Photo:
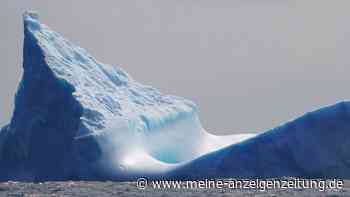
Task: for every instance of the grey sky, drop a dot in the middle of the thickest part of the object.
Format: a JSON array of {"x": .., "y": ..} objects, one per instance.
[{"x": 249, "y": 64}]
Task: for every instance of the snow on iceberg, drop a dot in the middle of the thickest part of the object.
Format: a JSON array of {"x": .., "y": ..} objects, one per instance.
[{"x": 78, "y": 119}]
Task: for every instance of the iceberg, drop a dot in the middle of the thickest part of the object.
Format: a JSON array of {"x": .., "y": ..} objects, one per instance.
[{"x": 76, "y": 118}]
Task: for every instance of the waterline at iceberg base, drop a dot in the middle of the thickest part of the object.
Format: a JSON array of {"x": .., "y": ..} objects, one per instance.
[{"x": 78, "y": 119}]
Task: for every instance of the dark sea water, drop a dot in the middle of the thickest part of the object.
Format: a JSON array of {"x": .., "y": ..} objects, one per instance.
[{"x": 104, "y": 189}]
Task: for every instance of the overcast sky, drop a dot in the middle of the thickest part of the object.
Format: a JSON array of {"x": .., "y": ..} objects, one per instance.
[{"x": 250, "y": 65}]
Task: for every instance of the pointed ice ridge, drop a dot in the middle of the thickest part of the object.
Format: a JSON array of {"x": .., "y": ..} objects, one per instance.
[{"x": 105, "y": 92}]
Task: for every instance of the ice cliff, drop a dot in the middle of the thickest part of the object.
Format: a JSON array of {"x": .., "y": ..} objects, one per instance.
[{"x": 78, "y": 119}]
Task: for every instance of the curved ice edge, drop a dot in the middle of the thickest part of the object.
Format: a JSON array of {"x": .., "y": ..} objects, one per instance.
[
  {"x": 135, "y": 163},
  {"x": 315, "y": 145},
  {"x": 157, "y": 153}
]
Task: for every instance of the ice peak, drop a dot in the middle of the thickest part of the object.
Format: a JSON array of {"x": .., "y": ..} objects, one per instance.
[
  {"x": 30, "y": 20},
  {"x": 28, "y": 14}
]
